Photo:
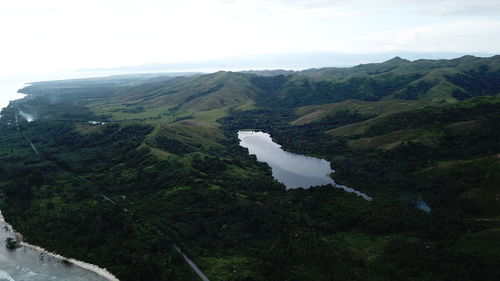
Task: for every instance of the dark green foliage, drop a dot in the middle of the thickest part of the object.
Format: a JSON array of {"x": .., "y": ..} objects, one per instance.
[
  {"x": 10, "y": 243},
  {"x": 482, "y": 81},
  {"x": 303, "y": 92},
  {"x": 412, "y": 92},
  {"x": 103, "y": 197},
  {"x": 309, "y": 138},
  {"x": 435, "y": 116},
  {"x": 173, "y": 145},
  {"x": 270, "y": 84},
  {"x": 461, "y": 95},
  {"x": 209, "y": 164},
  {"x": 204, "y": 93}
]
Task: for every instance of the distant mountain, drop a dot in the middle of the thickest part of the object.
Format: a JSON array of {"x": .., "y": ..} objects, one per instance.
[
  {"x": 274, "y": 72},
  {"x": 125, "y": 171},
  {"x": 294, "y": 61},
  {"x": 206, "y": 98}
]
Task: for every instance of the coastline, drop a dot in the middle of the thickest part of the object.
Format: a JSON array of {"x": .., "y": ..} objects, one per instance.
[
  {"x": 87, "y": 266},
  {"x": 103, "y": 272}
]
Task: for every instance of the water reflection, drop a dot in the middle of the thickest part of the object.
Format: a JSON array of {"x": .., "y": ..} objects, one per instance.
[{"x": 293, "y": 170}]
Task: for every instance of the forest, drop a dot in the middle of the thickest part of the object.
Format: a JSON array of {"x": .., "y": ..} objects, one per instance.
[{"x": 167, "y": 155}]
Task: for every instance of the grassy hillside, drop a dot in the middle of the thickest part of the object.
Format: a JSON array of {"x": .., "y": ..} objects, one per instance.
[
  {"x": 439, "y": 81},
  {"x": 202, "y": 98},
  {"x": 165, "y": 151},
  {"x": 395, "y": 85}
]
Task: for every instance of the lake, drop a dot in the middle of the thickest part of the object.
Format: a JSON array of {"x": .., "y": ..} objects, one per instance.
[{"x": 291, "y": 169}]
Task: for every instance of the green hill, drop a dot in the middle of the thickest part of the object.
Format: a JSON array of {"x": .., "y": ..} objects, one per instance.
[
  {"x": 203, "y": 98},
  {"x": 164, "y": 149}
]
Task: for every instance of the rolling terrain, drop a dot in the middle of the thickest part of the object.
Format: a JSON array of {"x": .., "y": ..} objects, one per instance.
[{"x": 421, "y": 138}]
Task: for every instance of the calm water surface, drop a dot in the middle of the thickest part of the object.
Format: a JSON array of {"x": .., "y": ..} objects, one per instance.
[
  {"x": 8, "y": 90},
  {"x": 293, "y": 170},
  {"x": 24, "y": 264}
]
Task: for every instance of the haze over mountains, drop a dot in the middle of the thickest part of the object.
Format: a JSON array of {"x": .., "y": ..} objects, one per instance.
[
  {"x": 121, "y": 171},
  {"x": 137, "y": 163},
  {"x": 292, "y": 61}
]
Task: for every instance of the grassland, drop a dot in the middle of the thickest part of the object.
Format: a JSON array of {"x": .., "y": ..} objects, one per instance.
[{"x": 168, "y": 154}]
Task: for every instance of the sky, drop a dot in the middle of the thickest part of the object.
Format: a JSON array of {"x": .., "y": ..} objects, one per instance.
[{"x": 53, "y": 35}]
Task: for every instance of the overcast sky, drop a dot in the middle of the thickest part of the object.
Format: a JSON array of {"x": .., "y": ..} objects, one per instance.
[{"x": 61, "y": 34}]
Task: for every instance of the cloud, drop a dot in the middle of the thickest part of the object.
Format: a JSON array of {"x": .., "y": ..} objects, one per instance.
[
  {"x": 63, "y": 34},
  {"x": 457, "y": 7},
  {"x": 437, "y": 7},
  {"x": 312, "y": 3},
  {"x": 471, "y": 35}
]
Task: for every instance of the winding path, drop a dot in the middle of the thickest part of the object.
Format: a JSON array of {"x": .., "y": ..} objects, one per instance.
[{"x": 193, "y": 266}]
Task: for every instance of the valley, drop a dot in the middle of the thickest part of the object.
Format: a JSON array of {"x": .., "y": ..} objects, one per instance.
[{"x": 421, "y": 138}]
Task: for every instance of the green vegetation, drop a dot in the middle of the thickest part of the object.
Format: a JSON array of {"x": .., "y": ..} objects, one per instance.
[
  {"x": 10, "y": 243},
  {"x": 166, "y": 168}
]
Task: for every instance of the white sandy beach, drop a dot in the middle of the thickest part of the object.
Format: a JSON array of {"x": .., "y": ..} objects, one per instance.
[{"x": 87, "y": 266}]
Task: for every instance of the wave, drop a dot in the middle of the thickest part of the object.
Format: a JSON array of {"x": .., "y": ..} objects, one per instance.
[
  {"x": 4, "y": 276},
  {"x": 91, "y": 267}
]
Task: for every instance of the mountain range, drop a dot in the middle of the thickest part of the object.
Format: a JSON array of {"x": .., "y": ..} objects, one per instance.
[{"x": 420, "y": 137}]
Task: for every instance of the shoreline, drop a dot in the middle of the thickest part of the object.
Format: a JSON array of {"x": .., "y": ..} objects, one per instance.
[{"x": 103, "y": 272}]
